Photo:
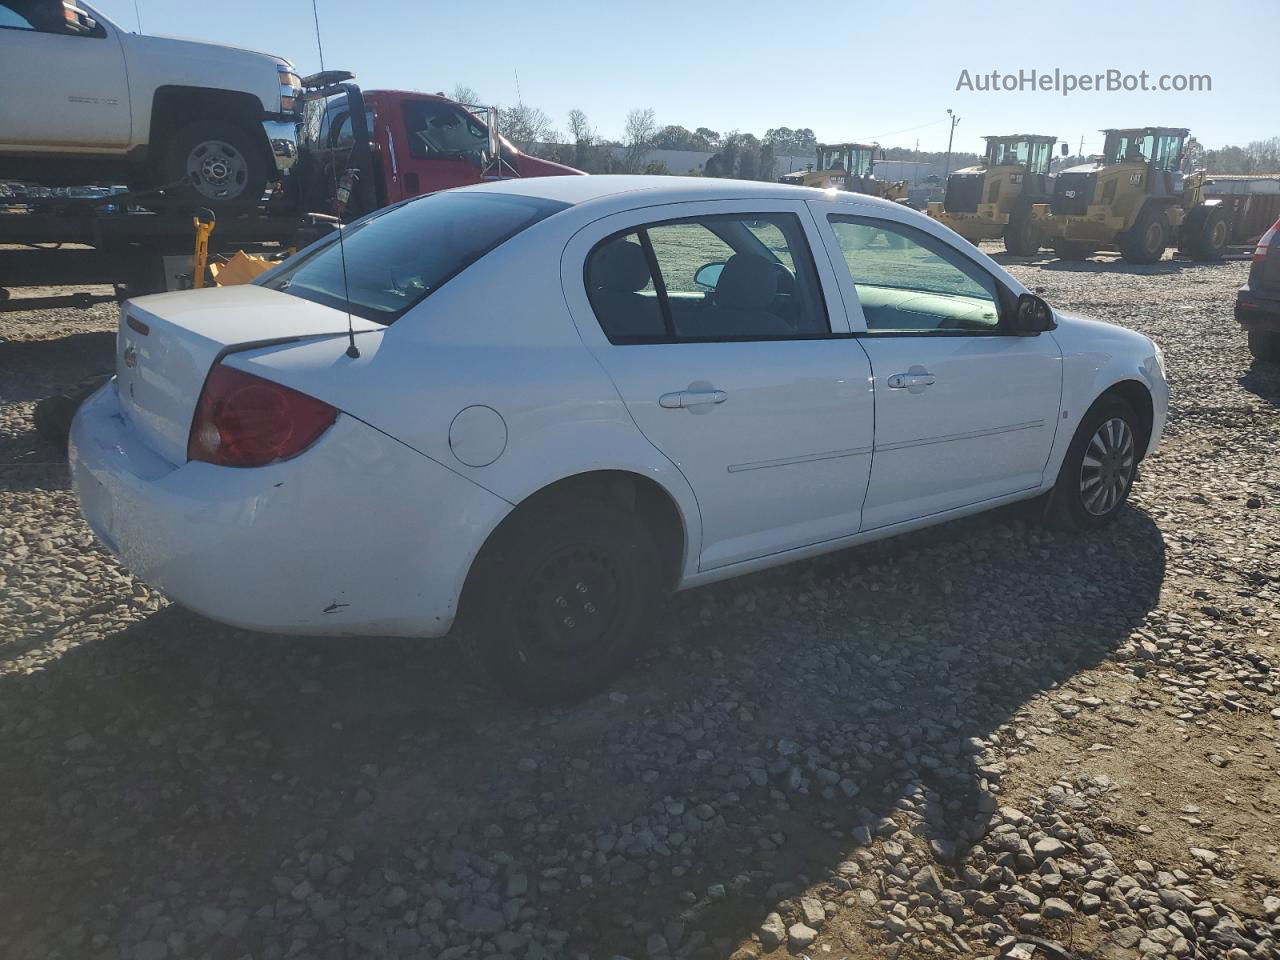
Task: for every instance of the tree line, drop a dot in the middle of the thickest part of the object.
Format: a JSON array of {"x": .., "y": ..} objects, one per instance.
[{"x": 748, "y": 157}]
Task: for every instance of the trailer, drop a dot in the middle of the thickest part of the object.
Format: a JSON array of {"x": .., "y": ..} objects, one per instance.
[
  {"x": 1252, "y": 202},
  {"x": 140, "y": 243}
]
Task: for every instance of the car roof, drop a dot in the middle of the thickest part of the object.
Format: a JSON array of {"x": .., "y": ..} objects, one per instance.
[{"x": 655, "y": 190}]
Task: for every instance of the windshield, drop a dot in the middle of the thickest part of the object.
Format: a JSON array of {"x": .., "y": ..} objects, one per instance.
[
  {"x": 1129, "y": 147},
  {"x": 399, "y": 256},
  {"x": 861, "y": 161}
]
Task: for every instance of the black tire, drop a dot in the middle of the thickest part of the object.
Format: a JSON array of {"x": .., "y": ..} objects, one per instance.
[
  {"x": 1019, "y": 233},
  {"x": 1265, "y": 345},
  {"x": 1074, "y": 503},
  {"x": 218, "y": 164},
  {"x": 1070, "y": 250},
  {"x": 528, "y": 611},
  {"x": 1146, "y": 240},
  {"x": 1205, "y": 232}
]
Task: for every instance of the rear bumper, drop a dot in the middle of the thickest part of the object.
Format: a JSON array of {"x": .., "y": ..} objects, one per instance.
[
  {"x": 1256, "y": 311},
  {"x": 358, "y": 535}
]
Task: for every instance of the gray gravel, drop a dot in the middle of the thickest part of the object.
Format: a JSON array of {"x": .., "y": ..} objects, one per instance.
[{"x": 987, "y": 739}]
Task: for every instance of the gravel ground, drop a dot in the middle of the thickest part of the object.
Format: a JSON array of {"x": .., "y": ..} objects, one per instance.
[{"x": 985, "y": 739}]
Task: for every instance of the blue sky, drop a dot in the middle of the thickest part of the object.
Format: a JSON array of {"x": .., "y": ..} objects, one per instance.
[{"x": 848, "y": 70}]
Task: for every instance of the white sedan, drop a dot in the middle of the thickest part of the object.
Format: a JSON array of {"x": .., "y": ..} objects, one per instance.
[{"x": 535, "y": 407}]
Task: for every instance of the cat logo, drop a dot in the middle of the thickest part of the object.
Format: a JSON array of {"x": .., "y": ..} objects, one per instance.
[{"x": 1070, "y": 194}]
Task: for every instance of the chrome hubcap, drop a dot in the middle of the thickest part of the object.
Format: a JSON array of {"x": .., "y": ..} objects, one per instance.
[
  {"x": 217, "y": 169},
  {"x": 1107, "y": 469}
]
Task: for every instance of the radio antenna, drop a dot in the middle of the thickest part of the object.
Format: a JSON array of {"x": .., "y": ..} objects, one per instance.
[{"x": 352, "y": 351}]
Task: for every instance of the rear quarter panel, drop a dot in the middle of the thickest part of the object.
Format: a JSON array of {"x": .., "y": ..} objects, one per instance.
[{"x": 498, "y": 335}]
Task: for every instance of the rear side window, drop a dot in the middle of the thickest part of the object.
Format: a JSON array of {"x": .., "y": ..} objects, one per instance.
[
  {"x": 398, "y": 256},
  {"x": 722, "y": 277}
]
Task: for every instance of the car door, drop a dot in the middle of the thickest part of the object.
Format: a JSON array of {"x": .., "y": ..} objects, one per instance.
[
  {"x": 443, "y": 145},
  {"x": 64, "y": 77},
  {"x": 965, "y": 411},
  {"x": 730, "y": 349}
]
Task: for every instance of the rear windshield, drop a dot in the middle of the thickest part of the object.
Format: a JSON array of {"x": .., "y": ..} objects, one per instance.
[{"x": 398, "y": 256}]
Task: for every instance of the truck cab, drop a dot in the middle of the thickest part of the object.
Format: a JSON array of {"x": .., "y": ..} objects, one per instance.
[{"x": 420, "y": 143}]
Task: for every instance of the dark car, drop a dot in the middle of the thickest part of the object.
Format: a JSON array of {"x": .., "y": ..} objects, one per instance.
[{"x": 1258, "y": 302}]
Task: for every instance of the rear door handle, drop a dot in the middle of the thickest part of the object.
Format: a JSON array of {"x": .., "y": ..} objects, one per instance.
[
  {"x": 908, "y": 381},
  {"x": 691, "y": 398}
]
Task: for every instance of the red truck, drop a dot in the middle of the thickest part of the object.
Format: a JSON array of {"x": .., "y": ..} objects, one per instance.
[
  {"x": 356, "y": 152},
  {"x": 417, "y": 143}
]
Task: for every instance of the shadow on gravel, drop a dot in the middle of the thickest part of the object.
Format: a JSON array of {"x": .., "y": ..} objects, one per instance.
[
  {"x": 1262, "y": 379},
  {"x": 66, "y": 359},
  {"x": 361, "y": 798}
]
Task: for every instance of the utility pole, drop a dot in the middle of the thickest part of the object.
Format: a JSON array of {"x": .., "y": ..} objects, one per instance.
[{"x": 950, "y": 138}]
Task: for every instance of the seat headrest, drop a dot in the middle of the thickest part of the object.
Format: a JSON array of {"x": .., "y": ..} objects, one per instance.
[
  {"x": 747, "y": 282},
  {"x": 621, "y": 267}
]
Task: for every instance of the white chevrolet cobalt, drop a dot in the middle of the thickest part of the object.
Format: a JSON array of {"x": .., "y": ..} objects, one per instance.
[{"x": 561, "y": 398}]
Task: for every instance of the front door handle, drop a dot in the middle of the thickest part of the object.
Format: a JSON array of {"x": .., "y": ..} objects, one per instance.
[
  {"x": 691, "y": 398},
  {"x": 911, "y": 381}
]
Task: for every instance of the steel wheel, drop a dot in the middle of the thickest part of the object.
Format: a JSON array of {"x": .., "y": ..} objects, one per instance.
[
  {"x": 1107, "y": 468},
  {"x": 573, "y": 603},
  {"x": 217, "y": 169}
]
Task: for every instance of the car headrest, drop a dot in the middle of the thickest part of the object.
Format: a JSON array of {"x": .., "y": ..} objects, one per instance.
[
  {"x": 621, "y": 267},
  {"x": 747, "y": 282}
]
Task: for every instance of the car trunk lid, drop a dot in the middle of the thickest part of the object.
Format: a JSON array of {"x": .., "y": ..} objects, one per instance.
[{"x": 167, "y": 343}]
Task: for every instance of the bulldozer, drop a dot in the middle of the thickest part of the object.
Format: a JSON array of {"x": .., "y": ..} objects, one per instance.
[
  {"x": 994, "y": 199},
  {"x": 1135, "y": 198},
  {"x": 848, "y": 166}
]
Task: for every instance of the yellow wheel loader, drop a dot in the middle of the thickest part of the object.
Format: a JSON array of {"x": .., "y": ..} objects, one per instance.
[
  {"x": 994, "y": 199},
  {"x": 848, "y": 166},
  {"x": 1136, "y": 199}
]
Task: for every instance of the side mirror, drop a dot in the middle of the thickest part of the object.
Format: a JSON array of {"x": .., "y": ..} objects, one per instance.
[
  {"x": 1066, "y": 148},
  {"x": 1032, "y": 316},
  {"x": 495, "y": 140},
  {"x": 708, "y": 275}
]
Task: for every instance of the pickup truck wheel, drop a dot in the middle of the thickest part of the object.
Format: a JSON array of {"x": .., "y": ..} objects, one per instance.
[
  {"x": 1264, "y": 344},
  {"x": 561, "y": 601},
  {"x": 218, "y": 164},
  {"x": 1099, "y": 468}
]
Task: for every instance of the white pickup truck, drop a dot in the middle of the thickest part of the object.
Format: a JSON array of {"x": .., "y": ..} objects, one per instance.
[{"x": 83, "y": 101}]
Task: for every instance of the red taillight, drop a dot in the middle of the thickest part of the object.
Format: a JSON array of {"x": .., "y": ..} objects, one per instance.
[
  {"x": 1264, "y": 244},
  {"x": 245, "y": 421}
]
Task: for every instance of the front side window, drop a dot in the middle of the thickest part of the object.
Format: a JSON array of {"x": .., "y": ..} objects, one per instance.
[
  {"x": 910, "y": 282},
  {"x": 436, "y": 128},
  {"x": 398, "y": 256},
  {"x": 724, "y": 277}
]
